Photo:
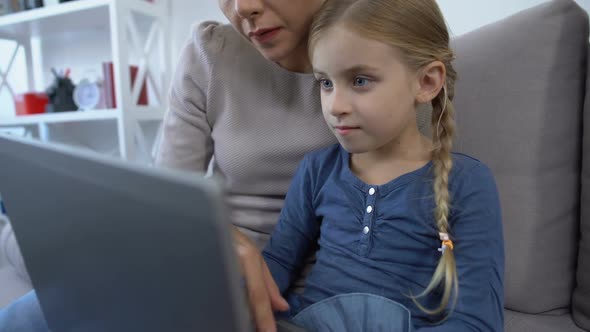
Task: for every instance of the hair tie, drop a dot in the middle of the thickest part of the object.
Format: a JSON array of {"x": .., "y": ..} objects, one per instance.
[{"x": 446, "y": 242}]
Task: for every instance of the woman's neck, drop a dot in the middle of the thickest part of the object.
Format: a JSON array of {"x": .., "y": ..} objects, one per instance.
[
  {"x": 298, "y": 61},
  {"x": 385, "y": 164}
]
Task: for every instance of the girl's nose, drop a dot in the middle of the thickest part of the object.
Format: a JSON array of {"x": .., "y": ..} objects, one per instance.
[{"x": 338, "y": 104}]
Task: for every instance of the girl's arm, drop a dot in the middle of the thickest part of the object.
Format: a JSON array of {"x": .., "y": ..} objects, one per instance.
[
  {"x": 296, "y": 231},
  {"x": 476, "y": 229}
]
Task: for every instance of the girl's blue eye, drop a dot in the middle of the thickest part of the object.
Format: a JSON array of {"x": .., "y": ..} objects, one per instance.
[
  {"x": 360, "y": 81},
  {"x": 326, "y": 84}
]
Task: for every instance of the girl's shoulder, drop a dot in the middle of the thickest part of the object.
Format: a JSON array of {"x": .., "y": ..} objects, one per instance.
[
  {"x": 325, "y": 157},
  {"x": 463, "y": 162},
  {"x": 323, "y": 163},
  {"x": 470, "y": 171}
]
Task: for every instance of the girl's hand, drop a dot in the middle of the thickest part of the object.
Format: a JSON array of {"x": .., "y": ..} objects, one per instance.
[{"x": 263, "y": 294}]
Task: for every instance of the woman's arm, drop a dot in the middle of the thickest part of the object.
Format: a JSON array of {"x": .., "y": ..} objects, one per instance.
[
  {"x": 263, "y": 294},
  {"x": 476, "y": 229},
  {"x": 186, "y": 142}
]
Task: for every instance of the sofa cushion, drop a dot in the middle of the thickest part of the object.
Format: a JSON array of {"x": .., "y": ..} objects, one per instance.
[
  {"x": 519, "y": 109},
  {"x": 519, "y": 322},
  {"x": 581, "y": 300}
]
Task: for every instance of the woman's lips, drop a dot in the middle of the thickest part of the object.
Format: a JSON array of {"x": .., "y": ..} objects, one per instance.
[{"x": 265, "y": 35}]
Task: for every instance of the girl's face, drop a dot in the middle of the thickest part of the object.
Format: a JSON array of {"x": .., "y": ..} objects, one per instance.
[
  {"x": 277, "y": 28},
  {"x": 368, "y": 93}
]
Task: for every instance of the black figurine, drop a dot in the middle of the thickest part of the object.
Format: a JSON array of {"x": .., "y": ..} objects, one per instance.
[{"x": 61, "y": 94}]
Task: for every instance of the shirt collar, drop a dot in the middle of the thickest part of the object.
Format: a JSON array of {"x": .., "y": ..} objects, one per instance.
[{"x": 355, "y": 181}]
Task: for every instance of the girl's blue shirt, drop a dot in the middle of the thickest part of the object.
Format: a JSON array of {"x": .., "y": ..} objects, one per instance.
[{"x": 383, "y": 239}]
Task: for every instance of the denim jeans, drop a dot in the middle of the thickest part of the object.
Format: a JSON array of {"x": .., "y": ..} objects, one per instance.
[
  {"x": 24, "y": 315},
  {"x": 357, "y": 312},
  {"x": 348, "y": 312}
]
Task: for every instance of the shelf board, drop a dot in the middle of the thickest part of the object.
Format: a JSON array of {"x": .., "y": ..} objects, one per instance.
[
  {"x": 56, "y": 19},
  {"x": 77, "y": 116}
]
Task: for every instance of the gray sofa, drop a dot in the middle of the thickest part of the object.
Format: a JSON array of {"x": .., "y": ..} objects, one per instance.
[{"x": 520, "y": 109}]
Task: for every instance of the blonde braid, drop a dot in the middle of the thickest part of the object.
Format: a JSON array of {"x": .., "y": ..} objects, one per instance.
[{"x": 443, "y": 124}]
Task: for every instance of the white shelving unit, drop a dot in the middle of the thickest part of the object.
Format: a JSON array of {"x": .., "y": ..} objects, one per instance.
[{"x": 138, "y": 30}]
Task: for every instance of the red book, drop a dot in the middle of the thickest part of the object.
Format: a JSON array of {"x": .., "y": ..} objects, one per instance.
[{"x": 109, "y": 85}]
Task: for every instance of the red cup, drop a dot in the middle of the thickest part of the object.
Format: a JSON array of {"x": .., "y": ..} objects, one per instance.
[{"x": 30, "y": 103}]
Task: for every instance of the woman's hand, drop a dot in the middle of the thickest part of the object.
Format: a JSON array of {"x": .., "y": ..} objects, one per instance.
[{"x": 263, "y": 294}]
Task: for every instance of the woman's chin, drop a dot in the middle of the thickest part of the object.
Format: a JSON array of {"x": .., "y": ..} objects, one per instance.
[
  {"x": 282, "y": 54},
  {"x": 275, "y": 53}
]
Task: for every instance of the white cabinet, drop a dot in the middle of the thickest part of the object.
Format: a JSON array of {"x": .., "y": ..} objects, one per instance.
[{"x": 136, "y": 33}]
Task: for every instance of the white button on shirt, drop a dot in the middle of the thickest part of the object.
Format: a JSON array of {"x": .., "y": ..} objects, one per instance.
[
  {"x": 369, "y": 209},
  {"x": 372, "y": 191},
  {"x": 366, "y": 230}
]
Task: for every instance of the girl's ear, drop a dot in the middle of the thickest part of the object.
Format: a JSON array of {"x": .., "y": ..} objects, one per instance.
[{"x": 431, "y": 80}]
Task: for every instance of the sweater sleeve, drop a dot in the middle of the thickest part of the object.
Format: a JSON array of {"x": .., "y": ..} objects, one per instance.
[
  {"x": 476, "y": 229},
  {"x": 186, "y": 142},
  {"x": 296, "y": 232}
]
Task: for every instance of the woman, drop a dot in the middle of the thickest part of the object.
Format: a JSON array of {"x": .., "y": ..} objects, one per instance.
[{"x": 245, "y": 94}]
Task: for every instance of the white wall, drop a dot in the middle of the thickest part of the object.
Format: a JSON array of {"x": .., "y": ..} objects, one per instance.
[{"x": 185, "y": 13}]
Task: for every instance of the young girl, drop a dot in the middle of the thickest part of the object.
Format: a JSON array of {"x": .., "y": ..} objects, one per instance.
[{"x": 408, "y": 234}]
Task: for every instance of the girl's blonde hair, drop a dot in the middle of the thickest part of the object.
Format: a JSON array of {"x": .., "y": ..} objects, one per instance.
[{"x": 416, "y": 28}]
